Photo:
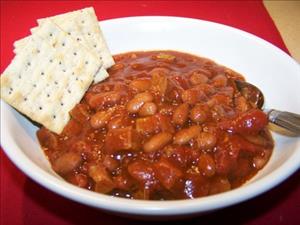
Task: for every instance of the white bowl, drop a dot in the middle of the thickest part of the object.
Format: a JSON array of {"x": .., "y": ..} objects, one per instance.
[{"x": 263, "y": 64}]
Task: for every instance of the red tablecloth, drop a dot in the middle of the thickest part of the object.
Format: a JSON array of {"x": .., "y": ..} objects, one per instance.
[{"x": 25, "y": 202}]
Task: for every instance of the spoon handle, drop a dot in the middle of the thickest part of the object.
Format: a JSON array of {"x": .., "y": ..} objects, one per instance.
[{"x": 287, "y": 120}]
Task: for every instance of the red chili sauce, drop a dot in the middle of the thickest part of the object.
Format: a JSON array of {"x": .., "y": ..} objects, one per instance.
[{"x": 165, "y": 125}]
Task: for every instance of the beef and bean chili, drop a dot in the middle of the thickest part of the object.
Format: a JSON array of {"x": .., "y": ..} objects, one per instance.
[{"x": 164, "y": 125}]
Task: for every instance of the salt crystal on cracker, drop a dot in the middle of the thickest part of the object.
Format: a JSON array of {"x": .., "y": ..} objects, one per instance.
[{"x": 49, "y": 77}]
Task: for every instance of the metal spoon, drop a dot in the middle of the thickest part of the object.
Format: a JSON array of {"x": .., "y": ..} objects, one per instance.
[{"x": 288, "y": 121}]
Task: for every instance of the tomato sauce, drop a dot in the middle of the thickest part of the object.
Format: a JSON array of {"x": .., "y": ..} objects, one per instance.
[{"x": 165, "y": 125}]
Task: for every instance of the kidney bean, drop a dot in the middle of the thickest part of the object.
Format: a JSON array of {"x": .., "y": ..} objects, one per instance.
[
  {"x": 198, "y": 115},
  {"x": 206, "y": 140},
  {"x": 250, "y": 122},
  {"x": 180, "y": 114},
  {"x": 67, "y": 162},
  {"x": 138, "y": 101},
  {"x": 157, "y": 142},
  {"x": 206, "y": 165},
  {"x": 185, "y": 135},
  {"x": 148, "y": 109}
]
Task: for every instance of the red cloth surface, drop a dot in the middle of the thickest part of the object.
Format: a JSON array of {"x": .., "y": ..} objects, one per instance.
[{"x": 25, "y": 202}]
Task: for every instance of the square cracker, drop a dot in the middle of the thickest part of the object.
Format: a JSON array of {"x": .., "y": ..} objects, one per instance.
[
  {"x": 49, "y": 77},
  {"x": 84, "y": 27}
]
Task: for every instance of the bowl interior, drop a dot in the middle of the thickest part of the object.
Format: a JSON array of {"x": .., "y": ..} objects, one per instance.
[{"x": 261, "y": 63}]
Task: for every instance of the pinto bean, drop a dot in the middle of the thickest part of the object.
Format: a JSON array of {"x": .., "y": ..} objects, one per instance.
[
  {"x": 198, "y": 115},
  {"x": 138, "y": 101},
  {"x": 157, "y": 142},
  {"x": 206, "y": 140},
  {"x": 100, "y": 119},
  {"x": 148, "y": 109},
  {"x": 185, "y": 135},
  {"x": 67, "y": 162},
  {"x": 180, "y": 114}
]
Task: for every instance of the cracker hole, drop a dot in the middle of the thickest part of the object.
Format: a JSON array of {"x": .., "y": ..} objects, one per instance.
[
  {"x": 82, "y": 21},
  {"x": 51, "y": 60},
  {"x": 64, "y": 70},
  {"x": 63, "y": 44},
  {"x": 69, "y": 91},
  {"x": 19, "y": 76},
  {"x": 55, "y": 82},
  {"x": 86, "y": 62},
  {"x": 95, "y": 46},
  {"x": 38, "y": 51},
  {"x": 54, "y": 116},
  {"x": 74, "y": 53},
  {"x": 42, "y": 73},
  {"x": 69, "y": 33},
  {"x": 28, "y": 63},
  {"x": 25, "y": 99},
  {"x": 73, "y": 73},
  {"x": 89, "y": 33},
  {"x": 61, "y": 103},
  {"x": 48, "y": 96},
  {"x": 34, "y": 85},
  {"x": 40, "y": 108},
  {"x": 9, "y": 92},
  {"x": 76, "y": 78},
  {"x": 59, "y": 62},
  {"x": 78, "y": 39},
  {"x": 50, "y": 34}
]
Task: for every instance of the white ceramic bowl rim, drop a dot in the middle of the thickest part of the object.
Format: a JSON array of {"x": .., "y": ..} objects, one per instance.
[{"x": 141, "y": 207}]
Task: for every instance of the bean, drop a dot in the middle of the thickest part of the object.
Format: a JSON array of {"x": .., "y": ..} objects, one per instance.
[
  {"x": 148, "y": 109},
  {"x": 180, "y": 114},
  {"x": 185, "y": 135},
  {"x": 67, "y": 162},
  {"x": 157, "y": 142},
  {"x": 219, "y": 80},
  {"x": 206, "y": 165},
  {"x": 198, "y": 115},
  {"x": 100, "y": 119},
  {"x": 198, "y": 78},
  {"x": 206, "y": 140},
  {"x": 138, "y": 101},
  {"x": 140, "y": 85}
]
